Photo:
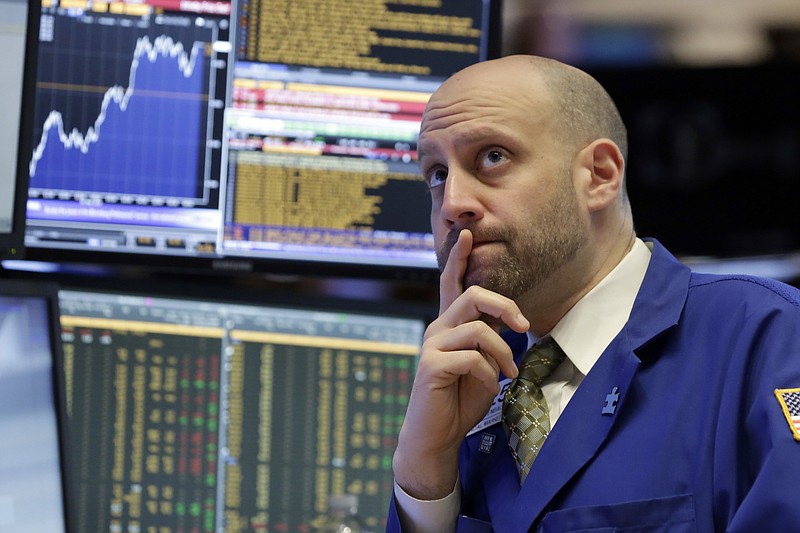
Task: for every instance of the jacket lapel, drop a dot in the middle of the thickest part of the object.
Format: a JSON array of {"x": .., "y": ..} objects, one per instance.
[{"x": 575, "y": 439}]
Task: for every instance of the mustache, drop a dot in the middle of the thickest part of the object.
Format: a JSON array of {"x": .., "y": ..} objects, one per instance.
[{"x": 478, "y": 235}]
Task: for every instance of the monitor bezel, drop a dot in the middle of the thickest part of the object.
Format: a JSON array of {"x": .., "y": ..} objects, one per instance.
[
  {"x": 317, "y": 294},
  {"x": 12, "y": 244}
]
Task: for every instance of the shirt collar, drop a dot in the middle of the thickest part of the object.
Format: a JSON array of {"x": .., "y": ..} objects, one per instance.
[{"x": 589, "y": 327}]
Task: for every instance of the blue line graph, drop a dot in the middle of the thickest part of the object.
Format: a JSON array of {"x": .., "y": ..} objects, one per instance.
[{"x": 147, "y": 139}]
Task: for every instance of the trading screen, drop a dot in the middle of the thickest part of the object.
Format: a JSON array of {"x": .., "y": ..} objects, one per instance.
[
  {"x": 253, "y": 130},
  {"x": 128, "y": 128},
  {"x": 187, "y": 416}
]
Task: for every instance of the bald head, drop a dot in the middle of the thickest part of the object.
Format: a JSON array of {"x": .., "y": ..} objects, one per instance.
[
  {"x": 585, "y": 109},
  {"x": 580, "y": 108}
]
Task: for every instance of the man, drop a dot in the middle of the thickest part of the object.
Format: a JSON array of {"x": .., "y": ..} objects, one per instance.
[{"x": 673, "y": 408}]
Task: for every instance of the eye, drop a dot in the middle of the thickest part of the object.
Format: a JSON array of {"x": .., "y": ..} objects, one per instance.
[
  {"x": 492, "y": 158},
  {"x": 436, "y": 177}
]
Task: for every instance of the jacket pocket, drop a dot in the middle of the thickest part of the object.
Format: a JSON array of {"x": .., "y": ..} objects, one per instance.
[{"x": 674, "y": 514}]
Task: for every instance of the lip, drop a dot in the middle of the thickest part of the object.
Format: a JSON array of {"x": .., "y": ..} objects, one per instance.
[{"x": 481, "y": 244}]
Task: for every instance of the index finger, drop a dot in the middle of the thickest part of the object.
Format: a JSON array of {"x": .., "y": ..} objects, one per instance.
[{"x": 451, "y": 282}]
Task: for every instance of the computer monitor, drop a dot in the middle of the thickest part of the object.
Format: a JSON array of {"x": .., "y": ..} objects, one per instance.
[
  {"x": 244, "y": 135},
  {"x": 18, "y": 40},
  {"x": 192, "y": 414},
  {"x": 32, "y": 481}
]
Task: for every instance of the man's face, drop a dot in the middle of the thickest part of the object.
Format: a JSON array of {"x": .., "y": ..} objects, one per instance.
[{"x": 489, "y": 156}]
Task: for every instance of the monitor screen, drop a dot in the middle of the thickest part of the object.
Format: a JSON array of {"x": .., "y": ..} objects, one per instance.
[
  {"x": 241, "y": 135},
  {"x": 31, "y": 479},
  {"x": 18, "y": 42},
  {"x": 208, "y": 415}
]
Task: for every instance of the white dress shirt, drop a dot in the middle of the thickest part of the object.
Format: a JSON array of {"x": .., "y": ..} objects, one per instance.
[{"x": 583, "y": 333}]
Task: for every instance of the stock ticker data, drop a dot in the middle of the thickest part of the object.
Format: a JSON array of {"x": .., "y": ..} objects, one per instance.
[
  {"x": 248, "y": 130},
  {"x": 150, "y": 122},
  {"x": 187, "y": 416}
]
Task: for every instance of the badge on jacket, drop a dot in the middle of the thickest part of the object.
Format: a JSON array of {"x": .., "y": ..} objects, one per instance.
[
  {"x": 495, "y": 413},
  {"x": 789, "y": 399}
]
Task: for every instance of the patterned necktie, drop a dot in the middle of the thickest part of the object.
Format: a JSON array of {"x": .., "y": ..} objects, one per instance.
[{"x": 525, "y": 413}]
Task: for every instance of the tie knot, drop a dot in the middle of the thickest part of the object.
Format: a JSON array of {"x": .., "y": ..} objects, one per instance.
[{"x": 540, "y": 361}]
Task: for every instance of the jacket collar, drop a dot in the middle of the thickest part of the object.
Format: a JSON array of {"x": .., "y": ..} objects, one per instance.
[{"x": 661, "y": 299}]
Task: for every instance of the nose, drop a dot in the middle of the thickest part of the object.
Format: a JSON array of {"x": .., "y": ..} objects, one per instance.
[{"x": 460, "y": 199}]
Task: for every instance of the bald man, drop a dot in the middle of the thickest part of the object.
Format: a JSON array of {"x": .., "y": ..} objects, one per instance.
[{"x": 672, "y": 408}]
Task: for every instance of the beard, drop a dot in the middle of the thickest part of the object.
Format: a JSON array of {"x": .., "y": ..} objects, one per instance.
[{"x": 531, "y": 252}]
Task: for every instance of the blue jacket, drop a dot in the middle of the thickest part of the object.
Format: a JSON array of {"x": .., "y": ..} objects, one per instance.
[{"x": 696, "y": 440}]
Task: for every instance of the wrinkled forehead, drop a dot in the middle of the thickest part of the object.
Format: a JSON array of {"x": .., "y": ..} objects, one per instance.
[
  {"x": 462, "y": 120},
  {"x": 486, "y": 95}
]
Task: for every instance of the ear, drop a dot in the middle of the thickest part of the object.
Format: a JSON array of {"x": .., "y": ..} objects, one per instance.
[{"x": 603, "y": 171}]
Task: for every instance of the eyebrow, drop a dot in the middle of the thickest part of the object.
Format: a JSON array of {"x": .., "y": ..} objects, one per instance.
[{"x": 465, "y": 137}]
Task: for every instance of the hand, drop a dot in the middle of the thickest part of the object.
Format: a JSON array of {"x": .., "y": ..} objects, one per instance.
[{"x": 457, "y": 378}]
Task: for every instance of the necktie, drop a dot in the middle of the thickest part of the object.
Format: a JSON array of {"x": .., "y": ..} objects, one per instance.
[{"x": 525, "y": 413}]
